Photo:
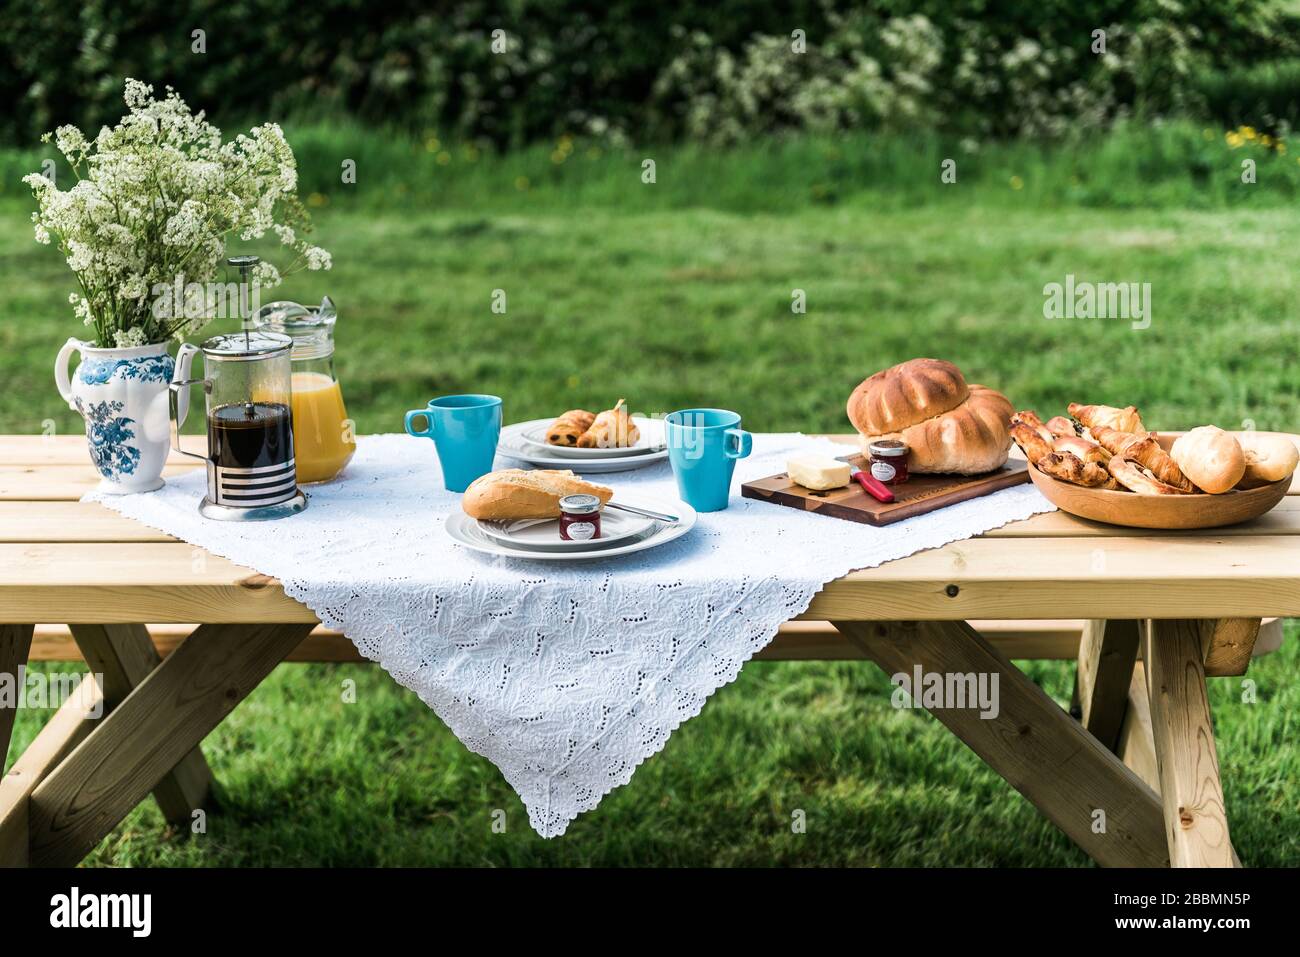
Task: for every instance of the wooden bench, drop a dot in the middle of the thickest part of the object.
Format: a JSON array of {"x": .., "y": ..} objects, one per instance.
[{"x": 796, "y": 641}]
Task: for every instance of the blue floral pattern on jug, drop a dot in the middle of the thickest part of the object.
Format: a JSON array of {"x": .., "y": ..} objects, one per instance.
[
  {"x": 142, "y": 368},
  {"x": 108, "y": 434}
]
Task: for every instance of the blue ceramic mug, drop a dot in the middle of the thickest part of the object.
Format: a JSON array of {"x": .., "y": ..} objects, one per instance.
[
  {"x": 465, "y": 429},
  {"x": 703, "y": 445}
]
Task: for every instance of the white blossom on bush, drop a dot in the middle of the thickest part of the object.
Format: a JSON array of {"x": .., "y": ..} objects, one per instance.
[
  {"x": 155, "y": 198},
  {"x": 897, "y": 74}
]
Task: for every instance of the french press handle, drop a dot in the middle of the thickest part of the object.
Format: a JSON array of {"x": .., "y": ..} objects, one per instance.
[{"x": 179, "y": 397}]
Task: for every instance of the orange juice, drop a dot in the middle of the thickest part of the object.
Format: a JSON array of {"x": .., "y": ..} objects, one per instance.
[{"x": 322, "y": 434}]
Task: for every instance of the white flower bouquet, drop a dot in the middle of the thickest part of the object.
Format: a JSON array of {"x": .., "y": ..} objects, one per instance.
[{"x": 155, "y": 198}]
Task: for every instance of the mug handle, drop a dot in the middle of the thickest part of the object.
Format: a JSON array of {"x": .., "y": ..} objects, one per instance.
[
  {"x": 427, "y": 431},
  {"x": 178, "y": 407},
  {"x": 181, "y": 375},
  {"x": 61, "y": 379},
  {"x": 743, "y": 444}
]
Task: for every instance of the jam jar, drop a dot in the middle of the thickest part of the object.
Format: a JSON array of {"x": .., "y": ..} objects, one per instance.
[
  {"x": 579, "y": 518},
  {"x": 889, "y": 461}
]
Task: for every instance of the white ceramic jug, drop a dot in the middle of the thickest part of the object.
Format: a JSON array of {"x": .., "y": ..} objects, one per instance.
[{"x": 122, "y": 395}]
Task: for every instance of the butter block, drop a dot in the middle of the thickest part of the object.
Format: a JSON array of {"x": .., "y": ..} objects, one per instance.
[{"x": 818, "y": 473}]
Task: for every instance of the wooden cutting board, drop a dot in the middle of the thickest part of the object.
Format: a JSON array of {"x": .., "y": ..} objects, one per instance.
[{"x": 918, "y": 495}]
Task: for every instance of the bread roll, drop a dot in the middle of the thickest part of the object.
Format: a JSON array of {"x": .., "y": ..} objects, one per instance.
[
  {"x": 906, "y": 395},
  {"x": 1269, "y": 458},
  {"x": 971, "y": 438},
  {"x": 1210, "y": 457},
  {"x": 517, "y": 493}
]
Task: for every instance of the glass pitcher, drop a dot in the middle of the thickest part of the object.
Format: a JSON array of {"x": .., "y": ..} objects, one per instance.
[
  {"x": 322, "y": 432},
  {"x": 250, "y": 460}
]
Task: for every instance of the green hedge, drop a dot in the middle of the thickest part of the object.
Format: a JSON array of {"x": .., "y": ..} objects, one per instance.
[{"x": 574, "y": 65}]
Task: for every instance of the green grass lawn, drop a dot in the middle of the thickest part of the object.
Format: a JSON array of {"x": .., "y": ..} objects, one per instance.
[
  {"x": 678, "y": 294},
  {"x": 305, "y": 779}
]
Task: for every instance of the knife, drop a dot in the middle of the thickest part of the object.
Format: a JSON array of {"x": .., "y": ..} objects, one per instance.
[
  {"x": 643, "y": 512},
  {"x": 873, "y": 486}
]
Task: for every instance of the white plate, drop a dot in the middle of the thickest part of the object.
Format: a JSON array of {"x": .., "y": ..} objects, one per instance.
[
  {"x": 513, "y": 445},
  {"x": 615, "y": 528},
  {"x": 465, "y": 531},
  {"x": 650, "y": 440}
]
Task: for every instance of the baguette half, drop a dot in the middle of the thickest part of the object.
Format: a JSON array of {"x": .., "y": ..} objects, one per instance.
[{"x": 520, "y": 493}]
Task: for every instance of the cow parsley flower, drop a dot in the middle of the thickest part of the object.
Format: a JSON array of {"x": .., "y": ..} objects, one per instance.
[{"x": 155, "y": 199}]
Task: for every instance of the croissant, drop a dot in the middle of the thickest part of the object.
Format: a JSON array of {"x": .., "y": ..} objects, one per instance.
[
  {"x": 1082, "y": 448},
  {"x": 1027, "y": 437},
  {"x": 612, "y": 429},
  {"x": 1128, "y": 474},
  {"x": 1068, "y": 467},
  {"x": 1061, "y": 427},
  {"x": 1093, "y": 416},
  {"x": 1113, "y": 440},
  {"x": 1030, "y": 418},
  {"x": 1147, "y": 452},
  {"x": 568, "y": 428}
]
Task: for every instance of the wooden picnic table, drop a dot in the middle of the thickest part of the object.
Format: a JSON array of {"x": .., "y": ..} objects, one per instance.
[{"x": 1132, "y": 777}]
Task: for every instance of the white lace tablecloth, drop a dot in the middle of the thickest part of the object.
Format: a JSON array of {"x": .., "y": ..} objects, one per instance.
[{"x": 566, "y": 677}]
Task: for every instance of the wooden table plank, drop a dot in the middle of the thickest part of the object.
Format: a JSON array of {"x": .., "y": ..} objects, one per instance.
[
  {"x": 978, "y": 578},
  {"x": 70, "y": 449},
  {"x": 1284, "y": 519},
  {"x": 72, "y": 521},
  {"x": 53, "y": 483},
  {"x": 1158, "y": 577},
  {"x": 101, "y": 583}
]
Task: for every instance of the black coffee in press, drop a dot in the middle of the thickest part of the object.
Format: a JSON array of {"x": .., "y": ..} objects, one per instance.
[{"x": 250, "y": 435}]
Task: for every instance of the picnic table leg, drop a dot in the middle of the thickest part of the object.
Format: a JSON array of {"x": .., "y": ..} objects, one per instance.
[
  {"x": 1137, "y": 745},
  {"x": 125, "y": 655},
  {"x": 1196, "y": 822},
  {"x": 61, "y": 734},
  {"x": 1107, "y": 651},
  {"x": 15, "y": 644},
  {"x": 1035, "y": 745},
  {"x": 162, "y": 720}
]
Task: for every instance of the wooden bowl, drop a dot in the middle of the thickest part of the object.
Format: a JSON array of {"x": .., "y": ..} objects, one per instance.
[{"x": 1160, "y": 511}]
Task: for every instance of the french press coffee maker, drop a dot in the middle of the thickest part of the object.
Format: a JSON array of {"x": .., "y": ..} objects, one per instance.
[{"x": 250, "y": 463}]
